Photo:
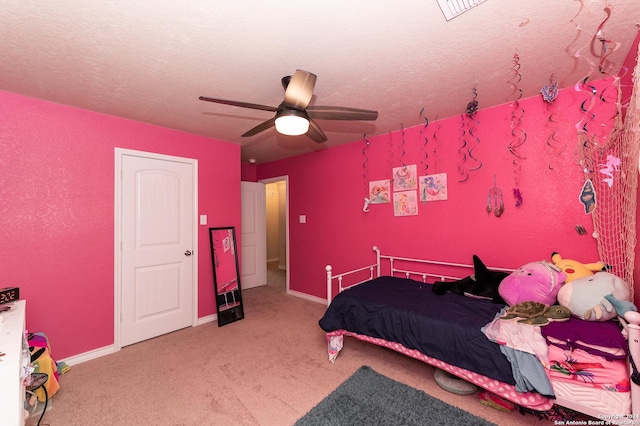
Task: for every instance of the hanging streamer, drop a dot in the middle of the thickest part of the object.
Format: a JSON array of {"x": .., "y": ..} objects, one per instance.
[
  {"x": 437, "y": 144},
  {"x": 518, "y": 135},
  {"x": 582, "y": 86},
  {"x": 423, "y": 148},
  {"x": 462, "y": 151},
  {"x": 473, "y": 107},
  {"x": 390, "y": 155},
  {"x": 365, "y": 173},
  {"x": 605, "y": 51},
  {"x": 607, "y": 47},
  {"x": 401, "y": 150},
  {"x": 549, "y": 94}
]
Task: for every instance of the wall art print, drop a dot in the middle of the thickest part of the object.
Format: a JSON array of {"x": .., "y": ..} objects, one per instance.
[
  {"x": 380, "y": 191},
  {"x": 405, "y": 178},
  {"x": 405, "y": 203},
  {"x": 433, "y": 187}
]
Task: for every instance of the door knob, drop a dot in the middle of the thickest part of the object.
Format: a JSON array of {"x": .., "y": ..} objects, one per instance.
[{"x": 187, "y": 253}]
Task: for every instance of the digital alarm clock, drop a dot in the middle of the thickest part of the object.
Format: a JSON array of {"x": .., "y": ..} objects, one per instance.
[{"x": 9, "y": 294}]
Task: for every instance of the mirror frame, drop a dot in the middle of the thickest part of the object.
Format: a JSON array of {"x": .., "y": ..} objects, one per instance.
[{"x": 226, "y": 252}]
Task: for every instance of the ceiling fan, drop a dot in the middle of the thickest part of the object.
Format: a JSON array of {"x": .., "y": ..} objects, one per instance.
[{"x": 294, "y": 116}]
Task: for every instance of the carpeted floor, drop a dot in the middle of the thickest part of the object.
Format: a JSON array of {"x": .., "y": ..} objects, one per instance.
[
  {"x": 369, "y": 398},
  {"x": 270, "y": 368}
]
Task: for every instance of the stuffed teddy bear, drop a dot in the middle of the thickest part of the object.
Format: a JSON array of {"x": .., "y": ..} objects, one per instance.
[
  {"x": 587, "y": 297},
  {"x": 574, "y": 269},
  {"x": 533, "y": 282},
  {"x": 483, "y": 283}
]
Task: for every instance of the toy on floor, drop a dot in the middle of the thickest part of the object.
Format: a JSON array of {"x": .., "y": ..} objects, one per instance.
[
  {"x": 536, "y": 313},
  {"x": 589, "y": 298},
  {"x": 535, "y": 281},
  {"x": 574, "y": 269},
  {"x": 494, "y": 401},
  {"x": 453, "y": 384}
]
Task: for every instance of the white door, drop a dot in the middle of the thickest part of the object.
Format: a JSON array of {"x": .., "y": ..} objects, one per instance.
[
  {"x": 157, "y": 266},
  {"x": 254, "y": 235}
]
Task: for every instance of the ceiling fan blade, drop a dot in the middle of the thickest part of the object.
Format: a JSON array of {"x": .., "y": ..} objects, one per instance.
[
  {"x": 300, "y": 89},
  {"x": 260, "y": 127},
  {"x": 341, "y": 113},
  {"x": 239, "y": 104},
  {"x": 316, "y": 133}
]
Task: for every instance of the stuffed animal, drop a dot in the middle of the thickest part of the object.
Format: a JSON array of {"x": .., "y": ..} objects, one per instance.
[
  {"x": 586, "y": 297},
  {"x": 621, "y": 306},
  {"x": 483, "y": 283},
  {"x": 575, "y": 269},
  {"x": 533, "y": 282}
]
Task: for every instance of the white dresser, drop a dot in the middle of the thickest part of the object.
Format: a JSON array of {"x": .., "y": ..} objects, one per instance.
[{"x": 15, "y": 358}]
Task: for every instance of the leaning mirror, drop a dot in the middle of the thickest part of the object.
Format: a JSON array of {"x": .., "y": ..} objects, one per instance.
[{"x": 226, "y": 277}]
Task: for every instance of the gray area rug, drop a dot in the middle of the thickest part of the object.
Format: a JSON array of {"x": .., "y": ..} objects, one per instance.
[{"x": 369, "y": 398}]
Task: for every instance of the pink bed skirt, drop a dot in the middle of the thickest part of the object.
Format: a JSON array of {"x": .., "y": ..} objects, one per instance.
[{"x": 531, "y": 400}]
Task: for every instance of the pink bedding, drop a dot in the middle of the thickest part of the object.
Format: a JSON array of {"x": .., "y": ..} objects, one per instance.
[{"x": 585, "y": 369}]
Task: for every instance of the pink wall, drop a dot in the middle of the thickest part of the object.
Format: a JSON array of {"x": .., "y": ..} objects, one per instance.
[
  {"x": 328, "y": 187},
  {"x": 57, "y": 212},
  {"x": 248, "y": 172}
]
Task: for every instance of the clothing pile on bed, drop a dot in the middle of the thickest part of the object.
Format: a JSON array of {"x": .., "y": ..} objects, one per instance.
[{"x": 588, "y": 353}]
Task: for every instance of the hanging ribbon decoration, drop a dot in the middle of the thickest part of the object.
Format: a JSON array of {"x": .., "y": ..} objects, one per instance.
[
  {"x": 603, "y": 43},
  {"x": 462, "y": 151},
  {"x": 607, "y": 47},
  {"x": 472, "y": 108},
  {"x": 518, "y": 135},
  {"x": 437, "y": 144},
  {"x": 390, "y": 155},
  {"x": 549, "y": 94},
  {"x": 401, "y": 150},
  {"x": 423, "y": 148},
  {"x": 581, "y": 86},
  {"x": 365, "y": 173}
]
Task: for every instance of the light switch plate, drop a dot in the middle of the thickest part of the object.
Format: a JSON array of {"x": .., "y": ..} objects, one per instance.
[
  {"x": 203, "y": 219},
  {"x": 303, "y": 218}
]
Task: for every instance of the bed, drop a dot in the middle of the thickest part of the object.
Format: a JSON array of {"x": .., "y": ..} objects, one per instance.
[{"x": 390, "y": 303}]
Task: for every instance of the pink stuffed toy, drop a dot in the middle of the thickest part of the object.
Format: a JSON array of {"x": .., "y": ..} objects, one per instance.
[{"x": 535, "y": 281}]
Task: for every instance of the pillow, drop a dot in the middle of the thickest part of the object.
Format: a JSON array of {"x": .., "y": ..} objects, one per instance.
[{"x": 533, "y": 282}]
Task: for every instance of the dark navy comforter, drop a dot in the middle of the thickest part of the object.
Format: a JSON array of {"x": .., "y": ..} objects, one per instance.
[{"x": 405, "y": 311}]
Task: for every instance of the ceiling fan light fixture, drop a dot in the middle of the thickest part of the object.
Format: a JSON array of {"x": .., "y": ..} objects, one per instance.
[{"x": 292, "y": 122}]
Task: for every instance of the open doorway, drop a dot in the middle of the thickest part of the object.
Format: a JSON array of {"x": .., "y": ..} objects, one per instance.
[{"x": 277, "y": 226}]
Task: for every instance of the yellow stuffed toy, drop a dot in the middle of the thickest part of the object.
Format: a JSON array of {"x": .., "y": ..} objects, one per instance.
[{"x": 574, "y": 269}]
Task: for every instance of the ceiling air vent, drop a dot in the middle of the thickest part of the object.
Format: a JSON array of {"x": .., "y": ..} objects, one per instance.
[{"x": 453, "y": 8}]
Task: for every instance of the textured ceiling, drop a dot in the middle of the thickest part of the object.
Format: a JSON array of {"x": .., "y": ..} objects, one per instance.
[{"x": 150, "y": 61}]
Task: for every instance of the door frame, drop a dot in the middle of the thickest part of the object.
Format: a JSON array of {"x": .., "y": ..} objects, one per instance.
[
  {"x": 117, "y": 255},
  {"x": 284, "y": 178}
]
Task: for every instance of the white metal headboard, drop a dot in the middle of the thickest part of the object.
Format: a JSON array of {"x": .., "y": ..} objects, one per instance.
[{"x": 406, "y": 272}]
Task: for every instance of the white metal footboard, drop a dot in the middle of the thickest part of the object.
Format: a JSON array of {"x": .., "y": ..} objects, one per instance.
[
  {"x": 374, "y": 271},
  {"x": 340, "y": 277}
]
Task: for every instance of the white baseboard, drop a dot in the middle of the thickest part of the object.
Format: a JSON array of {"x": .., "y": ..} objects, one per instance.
[
  {"x": 88, "y": 356},
  {"x": 307, "y": 297},
  {"x": 108, "y": 350},
  {"x": 208, "y": 318}
]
